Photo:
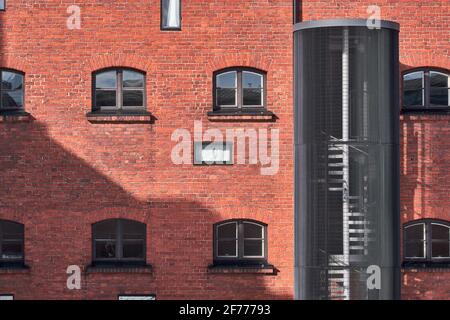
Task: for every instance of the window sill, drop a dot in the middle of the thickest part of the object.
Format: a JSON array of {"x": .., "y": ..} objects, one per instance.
[
  {"x": 427, "y": 111},
  {"x": 250, "y": 115},
  {"x": 426, "y": 266},
  {"x": 140, "y": 116},
  {"x": 15, "y": 116},
  {"x": 14, "y": 269},
  {"x": 117, "y": 268},
  {"x": 262, "y": 269}
]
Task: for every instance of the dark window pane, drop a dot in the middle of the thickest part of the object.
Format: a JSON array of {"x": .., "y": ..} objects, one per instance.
[
  {"x": 441, "y": 241},
  {"x": 227, "y": 248},
  {"x": 414, "y": 241},
  {"x": 12, "y": 99},
  {"x": 413, "y": 98},
  {"x": 414, "y": 249},
  {"x": 415, "y": 232},
  {"x": 133, "y": 230},
  {"x": 12, "y": 81},
  {"x": 413, "y": 85},
  {"x": 105, "y": 229},
  {"x": 171, "y": 14},
  {"x": 253, "y": 97},
  {"x": 226, "y": 97},
  {"x": 11, "y": 230},
  {"x": 133, "y": 98},
  {"x": 439, "y": 96},
  {"x": 440, "y": 249},
  {"x": 253, "y": 231},
  {"x": 133, "y": 249},
  {"x": 253, "y": 248},
  {"x": 227, "y": 231},
  {"x": 413, "y": 81},
  {"x": 438, "y": 79},
  {"x": 106, "y": 80},
  {"x": 440, "y": 232},
  {"x": 132, "y": 79},
  {"x": 12, "y": 250},
  {"x": 105, "y": 249},
  {"x": 105, "y": 98}
]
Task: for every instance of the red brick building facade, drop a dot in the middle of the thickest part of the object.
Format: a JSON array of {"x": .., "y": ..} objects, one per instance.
[{"x": 63, "y": 171}]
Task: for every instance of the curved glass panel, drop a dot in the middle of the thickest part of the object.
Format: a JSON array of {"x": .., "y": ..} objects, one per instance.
[{"x": 347, "y": 175}]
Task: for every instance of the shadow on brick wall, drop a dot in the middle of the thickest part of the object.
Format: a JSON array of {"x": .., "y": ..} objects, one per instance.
[{"x": 58, "y": 196}]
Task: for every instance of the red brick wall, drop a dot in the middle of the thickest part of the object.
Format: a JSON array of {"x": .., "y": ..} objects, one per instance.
[
  {"x": 425, "y": 139},
  {"x": 61, "y": 173}
]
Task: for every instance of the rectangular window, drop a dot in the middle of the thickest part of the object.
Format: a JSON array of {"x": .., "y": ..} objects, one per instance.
[
  {"x": 6, "y": 297},
  {"x": 137, "y": 298},
  {"x": 2, "y": 4},
  {"x": 297, "y": 11},
  {"x": 171, "y": 14},
  {"x": 213, "y": 153}
]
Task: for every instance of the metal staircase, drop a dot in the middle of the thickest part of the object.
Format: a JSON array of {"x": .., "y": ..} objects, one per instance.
[{"x": 356, "y": 227}]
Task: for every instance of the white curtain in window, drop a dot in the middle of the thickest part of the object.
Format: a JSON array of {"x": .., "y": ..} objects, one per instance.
[{"x": 173, "y": 14}]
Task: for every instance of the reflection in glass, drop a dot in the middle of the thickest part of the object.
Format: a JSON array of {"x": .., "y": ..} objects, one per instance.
[
  {"x": 106, "y": 80},
  {"x": 439, "y": 89},
  {"x": 226, "y": 89},
  {"x": 252, "y": 84},
  {"x": 171, "y": 17},
  {"x": 413, "y": 88}
]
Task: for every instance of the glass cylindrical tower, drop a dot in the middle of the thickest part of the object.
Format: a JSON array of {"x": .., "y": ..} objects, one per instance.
[{"x": 347, "y": 160}]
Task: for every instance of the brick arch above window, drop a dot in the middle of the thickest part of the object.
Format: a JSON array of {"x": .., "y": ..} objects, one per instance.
[
  {"x": 15, "y": 62},
  {"x": 432, "y": 60},
  {"x": 248, "y": 60},
  {"x": 137, "y": 62}
]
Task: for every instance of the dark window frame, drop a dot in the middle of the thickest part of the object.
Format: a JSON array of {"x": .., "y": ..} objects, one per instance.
[
  {"x": 12, "y": 262},
  {"x": 427, "y": 106},
  {"x": 428, "y": 246},
  {"x": 119, "y": 245},
  {"x": 119, "y": 91},
  {"x": 240, "y": 259},
  {"x": 297, "y": 11},
  {"x": 21, "y": 109},
  {"x": 162, "y": 27},
  {"x": 240, "y": 96}
]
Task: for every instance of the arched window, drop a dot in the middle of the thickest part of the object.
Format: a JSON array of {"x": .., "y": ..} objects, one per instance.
[
  {"x": 119, "y": 240},
  {"x": 427, "y": 240},
  {"x": 11, "y": 90},
  {"x": 240, "y": 241},
  {"x": 239, "y": 88},
  {"x": 119, "y": 89},
  {"x": 426, "y": 88},
  {"x": 11, "y": 243}
]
